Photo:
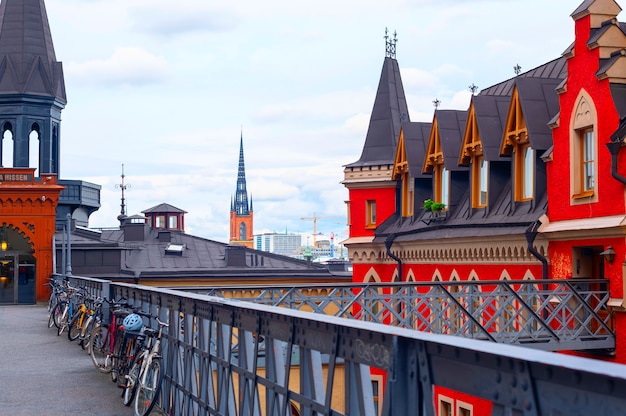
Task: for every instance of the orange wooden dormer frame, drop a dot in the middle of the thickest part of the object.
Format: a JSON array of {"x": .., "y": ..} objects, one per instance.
[
  {"x": 472, "y": 154},
  {"x": 516, "y": 142},
  {"x": 434, "y": 163},
  {"x": 401, "y": 173}
]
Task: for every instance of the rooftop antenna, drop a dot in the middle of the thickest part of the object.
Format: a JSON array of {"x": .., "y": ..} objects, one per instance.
[
  {"x": 436, "y": 103},
  {"x": 473, "y": 88},
  {"x": 123, "y": 186},
  {"x": 390, "y": 44},
  {"x": 517, "y": 69}
]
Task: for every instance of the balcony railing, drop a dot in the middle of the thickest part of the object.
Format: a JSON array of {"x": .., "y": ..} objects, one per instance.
[
  {"x": 545, "y": 314},
  {"x": 229, "y": 357}
]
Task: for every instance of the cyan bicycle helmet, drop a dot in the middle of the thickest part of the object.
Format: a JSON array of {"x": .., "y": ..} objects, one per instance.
[{"x": 132, "y": 322}]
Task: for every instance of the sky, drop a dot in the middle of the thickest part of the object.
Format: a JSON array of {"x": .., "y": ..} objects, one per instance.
[{"x": 167, "y": 89}]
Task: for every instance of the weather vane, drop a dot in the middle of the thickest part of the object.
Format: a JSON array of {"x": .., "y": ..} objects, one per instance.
[
  {"x": 436, "y": 103},
  {"x": 473, "y": 88},
  {"x": 517, "y": 69},
  {"x": 390, "y": 44},
  {"x": 123, "y": 186}
]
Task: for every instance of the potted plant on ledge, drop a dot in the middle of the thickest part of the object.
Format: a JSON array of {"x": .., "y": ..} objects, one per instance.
[{"x": 436, "y": 210}]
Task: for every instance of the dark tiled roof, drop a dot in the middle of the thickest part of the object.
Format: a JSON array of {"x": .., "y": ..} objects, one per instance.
[
  {"x": 451, "y": 125},
  {"x": 491, "y": 112},
  {"x": 416, "y": 139},
  {"x": 540, "y": 103},
  {"x": 618, "y": 92},
  {"x": 28, "y": 64},
  {"x": 164, "y": 207},
  {"x": 556, "y": 69},
  {"x": 389, "y": 111},
  {"x": 199, "y": 258}
]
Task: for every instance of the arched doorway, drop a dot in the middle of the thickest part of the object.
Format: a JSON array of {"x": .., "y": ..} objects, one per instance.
[{"x": 17, "y": 268}]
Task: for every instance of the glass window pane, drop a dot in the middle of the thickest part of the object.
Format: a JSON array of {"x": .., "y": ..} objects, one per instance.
[
  {"x": 528, "y": 172},
  {"x": 484, "y": 170},
  {"x": 445, "y": 186}
]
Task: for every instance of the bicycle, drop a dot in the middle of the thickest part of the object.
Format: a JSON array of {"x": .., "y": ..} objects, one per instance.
[
  {"x": 58, "y": 293},
  {"x": 79, "y": 318},
  {"x": 64, "y": 309},
  {"x": 102, "y": 340},
  {"x": 144, "y": 379}
]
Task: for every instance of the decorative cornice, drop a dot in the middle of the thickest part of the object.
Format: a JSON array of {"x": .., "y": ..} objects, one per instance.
[{"x": 513, "y": 249}]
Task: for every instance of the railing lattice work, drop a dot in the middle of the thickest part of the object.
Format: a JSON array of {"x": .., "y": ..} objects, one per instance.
[
  {"x": 545, "y": 314},
  {"x": 227, "y": 357}
]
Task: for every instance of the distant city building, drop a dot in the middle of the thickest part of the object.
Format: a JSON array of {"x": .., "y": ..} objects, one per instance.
[
  {"x": 241, "y": 215},
  {"x": 285, "y": 244}
]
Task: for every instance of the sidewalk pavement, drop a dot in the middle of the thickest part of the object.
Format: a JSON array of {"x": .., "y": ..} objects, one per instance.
[{"x": 42, "y": 374}]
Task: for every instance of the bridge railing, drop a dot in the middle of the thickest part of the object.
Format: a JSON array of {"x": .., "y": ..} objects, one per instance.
[
  {"x": 545, "y": 314},
  {"x": 230, "y": 357}
]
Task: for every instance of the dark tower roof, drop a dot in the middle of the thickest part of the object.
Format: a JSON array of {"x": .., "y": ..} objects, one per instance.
[
  {"x": 389, "y": 112},
  {"x": 28, "y": 64},
  {"x": 241, "y": 195}
]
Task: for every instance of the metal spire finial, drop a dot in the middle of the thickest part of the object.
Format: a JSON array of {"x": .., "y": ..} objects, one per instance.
[
  {"x": 517, "y": 69},
  {"x": 390, "y": 44},
  {"x": 123, "y": 186},
  {"x": 436, "y": 103},
  {"x": 473, "y": 88}
]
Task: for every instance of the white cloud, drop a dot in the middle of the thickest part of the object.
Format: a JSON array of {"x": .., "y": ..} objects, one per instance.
[{"x": 126, "y": 66}]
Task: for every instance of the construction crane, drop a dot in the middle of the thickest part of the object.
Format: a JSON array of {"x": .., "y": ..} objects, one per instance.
[{"x": 314, "y": 219}]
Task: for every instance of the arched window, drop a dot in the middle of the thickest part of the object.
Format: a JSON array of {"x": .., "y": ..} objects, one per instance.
[
  {"x": 7, "y": 149},
  {"x": 33, "y": 148},
  {"x": 242, "y": 231},
  {"x": 584, "y": 151}
]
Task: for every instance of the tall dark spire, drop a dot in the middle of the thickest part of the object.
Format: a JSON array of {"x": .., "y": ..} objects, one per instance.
[
  {"x": 241, "y": 195},
  {"x": 28, "y": 64},
  {"x": 389, "y": 112},
  {"x": 32, "y": 88}
]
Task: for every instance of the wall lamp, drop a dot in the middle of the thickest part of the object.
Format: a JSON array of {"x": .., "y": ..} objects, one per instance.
[
  {"x": 608, "y": 254},
  {"x": 4, "y": 244}
]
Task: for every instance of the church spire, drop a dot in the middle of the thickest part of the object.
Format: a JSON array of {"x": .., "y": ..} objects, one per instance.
[
  {"x": 241, "y": 215},
  {"x": 241, "y": 195}
]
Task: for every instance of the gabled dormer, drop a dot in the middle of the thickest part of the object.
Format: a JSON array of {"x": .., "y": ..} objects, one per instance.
[
  {"x": 442, "y": 154},
  {"x": 527, "y": 135},
  {"x": 407, "y": 167},
  {"x": 479, "y": 149}
]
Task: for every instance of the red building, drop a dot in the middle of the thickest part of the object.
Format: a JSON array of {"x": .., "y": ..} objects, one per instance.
[{"x": 527, "y": 183}]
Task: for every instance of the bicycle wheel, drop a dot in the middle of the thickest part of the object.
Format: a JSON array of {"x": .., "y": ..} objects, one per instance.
[
  {"x": 100, "y": 349},
  {"x": 75, "y": 326},
  {"x": 85, "y": 332},
  {"x": 149, "y": 388},
  {"x": 130, "y": 386},
  {"x": 57, "y": 312},
  {"x": 64, "y": 319},
  {"x": 54, "y": 310},
  {"x": 116, "y": 355}
]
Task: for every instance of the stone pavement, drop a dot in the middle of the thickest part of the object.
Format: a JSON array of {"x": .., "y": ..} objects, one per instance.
[{"x": 44, "y": 374}]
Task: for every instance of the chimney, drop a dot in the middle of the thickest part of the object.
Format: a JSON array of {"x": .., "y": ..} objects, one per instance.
[{"x": 235, "y": 256}]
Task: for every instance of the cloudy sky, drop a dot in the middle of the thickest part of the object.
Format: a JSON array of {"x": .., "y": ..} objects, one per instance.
[{"x": 167, "y": 88}]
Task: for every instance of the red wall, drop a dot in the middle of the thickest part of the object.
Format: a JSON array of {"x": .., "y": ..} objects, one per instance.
[
  {"x": 385, "y": 206},
  {"x": 582, "y": 74}
]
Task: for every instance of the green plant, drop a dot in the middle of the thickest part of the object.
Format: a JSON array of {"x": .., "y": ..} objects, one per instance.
[{"x": 430, "y": 205}]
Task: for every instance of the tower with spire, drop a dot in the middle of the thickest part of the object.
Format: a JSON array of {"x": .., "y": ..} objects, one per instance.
[
  {"x": 241, "y": 215},
  {"x": 372, "y": 191},
  {"x": 32, "y": 96}
]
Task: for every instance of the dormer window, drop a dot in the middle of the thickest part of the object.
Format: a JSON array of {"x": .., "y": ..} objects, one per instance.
[
  {"x": 480, "y": 168},
  {"x": 442, "y": 185}
]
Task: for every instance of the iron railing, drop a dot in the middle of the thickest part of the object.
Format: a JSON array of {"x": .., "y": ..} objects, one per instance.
[
  {"x": 229, "y": 357},
  {"x": 545, "y": 314}
]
